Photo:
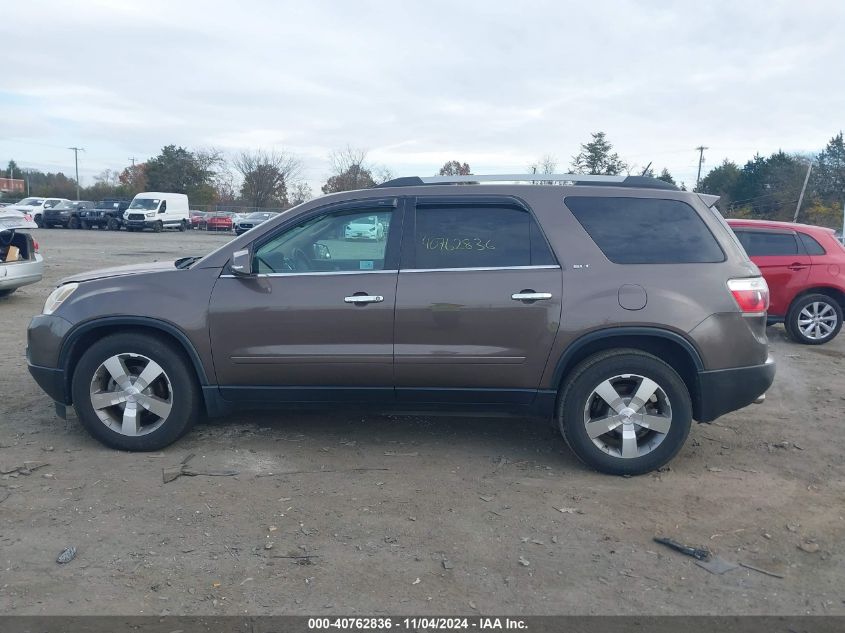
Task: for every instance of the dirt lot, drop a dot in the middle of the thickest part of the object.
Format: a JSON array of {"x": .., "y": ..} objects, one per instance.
[{"x": 463, "y": 515}]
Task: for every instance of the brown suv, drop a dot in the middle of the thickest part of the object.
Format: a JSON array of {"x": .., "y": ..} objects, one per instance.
[{"x": 620, "y": 307}]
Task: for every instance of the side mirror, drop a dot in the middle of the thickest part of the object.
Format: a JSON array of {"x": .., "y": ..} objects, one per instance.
[{"x": 241, "y": 263}]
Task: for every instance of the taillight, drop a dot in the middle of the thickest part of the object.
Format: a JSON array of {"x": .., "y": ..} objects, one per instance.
[
  {"x": 751, "y": 294},
  {"x": 35, "y": 245}
]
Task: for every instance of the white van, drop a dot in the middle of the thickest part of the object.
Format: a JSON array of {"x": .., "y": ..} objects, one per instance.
[{"x": 157, "y": 211}]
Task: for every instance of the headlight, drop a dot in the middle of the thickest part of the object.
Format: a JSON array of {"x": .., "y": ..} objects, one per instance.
[
  {"x": 58, "y": 296},
  {"x": 151, "y": 215}
]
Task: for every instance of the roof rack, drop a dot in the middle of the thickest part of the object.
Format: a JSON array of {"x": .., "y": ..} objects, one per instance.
[{"x": 644, "y": 182}]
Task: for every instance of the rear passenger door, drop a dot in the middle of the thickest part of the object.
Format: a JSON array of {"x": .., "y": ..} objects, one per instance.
[
  {"x": 783, "y": 261},
  {"x": 478, "y": 302}
]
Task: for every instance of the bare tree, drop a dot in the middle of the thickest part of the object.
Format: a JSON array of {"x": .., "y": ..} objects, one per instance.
[
  {"x": 267, "y": 176},
  {"x": 108, "y": 178},
  {"x": 349, "y": 170},
  {"x": 547, "y": 164},
  {"x": 299, "y": 192}
]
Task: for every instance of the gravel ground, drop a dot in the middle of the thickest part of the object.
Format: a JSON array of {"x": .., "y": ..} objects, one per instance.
[{"x": 411, "y": 515}]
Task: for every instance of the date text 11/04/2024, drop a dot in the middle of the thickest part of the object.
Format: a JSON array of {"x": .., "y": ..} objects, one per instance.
[{"x": 417, "y": 624}]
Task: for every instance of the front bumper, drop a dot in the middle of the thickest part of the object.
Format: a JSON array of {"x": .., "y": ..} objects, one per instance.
[
  {"x": 45, "y": 336},
  {"x": 724, "y": 390}
]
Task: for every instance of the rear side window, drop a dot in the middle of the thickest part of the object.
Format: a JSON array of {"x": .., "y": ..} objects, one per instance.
[
  {"x": 767, "y": 244},
  {"x": 812, "y": 246},
  {"x": 478, "y": 237},
  {"x": 646, "y": 231}
]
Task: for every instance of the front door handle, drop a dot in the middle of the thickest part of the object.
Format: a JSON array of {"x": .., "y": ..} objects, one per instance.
[
  {"x": 530, "y": 295},
  {"x": 363, "y": 299}
]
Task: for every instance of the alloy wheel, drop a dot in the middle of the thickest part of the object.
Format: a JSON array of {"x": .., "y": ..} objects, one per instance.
[
  {"x": 817, "y": 320},
  {"x": 627, "y": 416},
  {"x": 131, "y": 394}
]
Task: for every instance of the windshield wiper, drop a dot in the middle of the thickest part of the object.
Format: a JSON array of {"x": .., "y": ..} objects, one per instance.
[{"x": 185, "y": 262}]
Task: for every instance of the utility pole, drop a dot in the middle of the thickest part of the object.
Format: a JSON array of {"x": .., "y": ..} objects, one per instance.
[
  {"x": 700, "y": 149},
  {"x": 76, "y": 151},
  {"x": 133, "y": 160},
  {"x": 803, "y": 189}
]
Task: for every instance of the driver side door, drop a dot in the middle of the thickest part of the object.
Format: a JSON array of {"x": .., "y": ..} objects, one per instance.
[{"x": 315, "y": 321}]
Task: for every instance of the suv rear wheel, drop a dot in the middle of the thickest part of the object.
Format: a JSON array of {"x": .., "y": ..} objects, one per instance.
[
  {"x": 134, "y": 392},
  {"x": 813, "y": 319},
  {"x": 73, "y": 223},
  {"x": 624, "y": 412}
]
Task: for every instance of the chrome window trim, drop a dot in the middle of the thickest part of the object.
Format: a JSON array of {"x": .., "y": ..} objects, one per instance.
[
  {"x": 310, "y": 274},
  {"x": 482, "y": 268}
]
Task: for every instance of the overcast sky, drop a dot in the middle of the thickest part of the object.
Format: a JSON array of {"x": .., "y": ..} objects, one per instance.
[{"x": 493, "y": 83}]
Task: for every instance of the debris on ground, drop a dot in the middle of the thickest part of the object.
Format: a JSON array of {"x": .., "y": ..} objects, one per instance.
[
  {"x": 26, "y": 468},
  {"x": 695, "y": 552},
  {"x": 318, "y": 472},
  {"x": 182, "y": 470},
  {"x": 67, "y": 555},
  {"x": 717, "y": 565},
  {"x": 524, "y": 562},
  {"x": 762, "y": 571},
  {"x": 392, "y": 454},
  {"x": 809, "y": 547}
]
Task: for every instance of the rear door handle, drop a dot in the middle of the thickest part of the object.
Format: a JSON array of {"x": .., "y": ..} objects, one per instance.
[
  {"x": 797, "y": 266},
  {"x": 363, "y": 299},
  {"x": 531, "y": 296}
]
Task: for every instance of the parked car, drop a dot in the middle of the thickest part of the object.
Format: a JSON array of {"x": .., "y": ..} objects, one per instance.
[
  {"x": 197, "y": 219},
  {"x": 221, "y": 221},
  {"x": 20, "y": 263},
  {"x": 106, "y": 214},
  {"x": 252, "y": 220},
  {"x": 66, "y": 214},
  {"x": 157, "y": 211},
  {"x": 805, "y": 268},
  {"x": 367, "y": 228},
  {"x": 35, "y": 207},
  {"x": 620, "y": 308}
]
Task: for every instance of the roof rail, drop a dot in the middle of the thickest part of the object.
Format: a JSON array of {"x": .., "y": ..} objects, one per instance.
[{"x": 565, "y": 179}]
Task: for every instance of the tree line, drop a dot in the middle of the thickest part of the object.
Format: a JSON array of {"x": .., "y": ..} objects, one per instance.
[{"x": 764, "y": 187}]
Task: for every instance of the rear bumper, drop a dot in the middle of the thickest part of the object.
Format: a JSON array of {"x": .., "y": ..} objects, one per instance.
[
  {"x": 724, "y": 390},
  {"x": 17, "y": 274}
]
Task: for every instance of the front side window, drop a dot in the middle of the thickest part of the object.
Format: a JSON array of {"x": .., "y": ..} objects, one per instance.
[
  {"x": 335, "y": 242},
  {"x": 646, "y": 231},
  {"x": 767, "y": 244},
  {"x": 478, "y": 237}
]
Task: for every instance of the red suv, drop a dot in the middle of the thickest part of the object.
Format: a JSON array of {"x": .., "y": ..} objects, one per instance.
[{"x": 805, "y": 269}]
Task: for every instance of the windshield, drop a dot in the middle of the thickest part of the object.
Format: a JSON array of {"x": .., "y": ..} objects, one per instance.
[
  {"x": 145, "y": 203},
  {"x": 64, "y": 205},
  {"x": 258, "y": 216},
  {"x": 31, "y": 202}
]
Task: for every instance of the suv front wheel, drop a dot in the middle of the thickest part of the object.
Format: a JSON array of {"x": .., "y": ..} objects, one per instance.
[
  {"x": 134, "y": 392},
  {"x": 624, "y": 412},
  {"x": 814, "y": 319}
]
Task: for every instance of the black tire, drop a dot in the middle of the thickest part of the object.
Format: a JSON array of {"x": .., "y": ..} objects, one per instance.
[
  {"x": 158, "y": 227},
  {"x": 576, "y": 395},
  {"x": 39, "y": 222},
  {"x": 183, "y": 226},
  {"x": 113, "y": 224},
  {"x": 73, "y": 223},
  {"x": 186, "y": 404},
  {"x": 84, "y": 225},
  {"x": 6, "y": 292},
  {"x": 42, "y": 225},
  {"x": 826, "y": 305}
]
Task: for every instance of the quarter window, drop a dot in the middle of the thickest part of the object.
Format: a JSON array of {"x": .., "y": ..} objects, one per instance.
[
  {"x": 812, "y": 246},
  {"x": 767, "y": 243},
  {"x": 478, "y": 237},
  {"x": 646, "y": 231},
  {"x": 341, "y": 241}
]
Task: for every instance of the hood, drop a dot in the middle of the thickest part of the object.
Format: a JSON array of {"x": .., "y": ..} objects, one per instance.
[
  {"x": 119, "y": 271},
  {"x": 13, "y": 219}
]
